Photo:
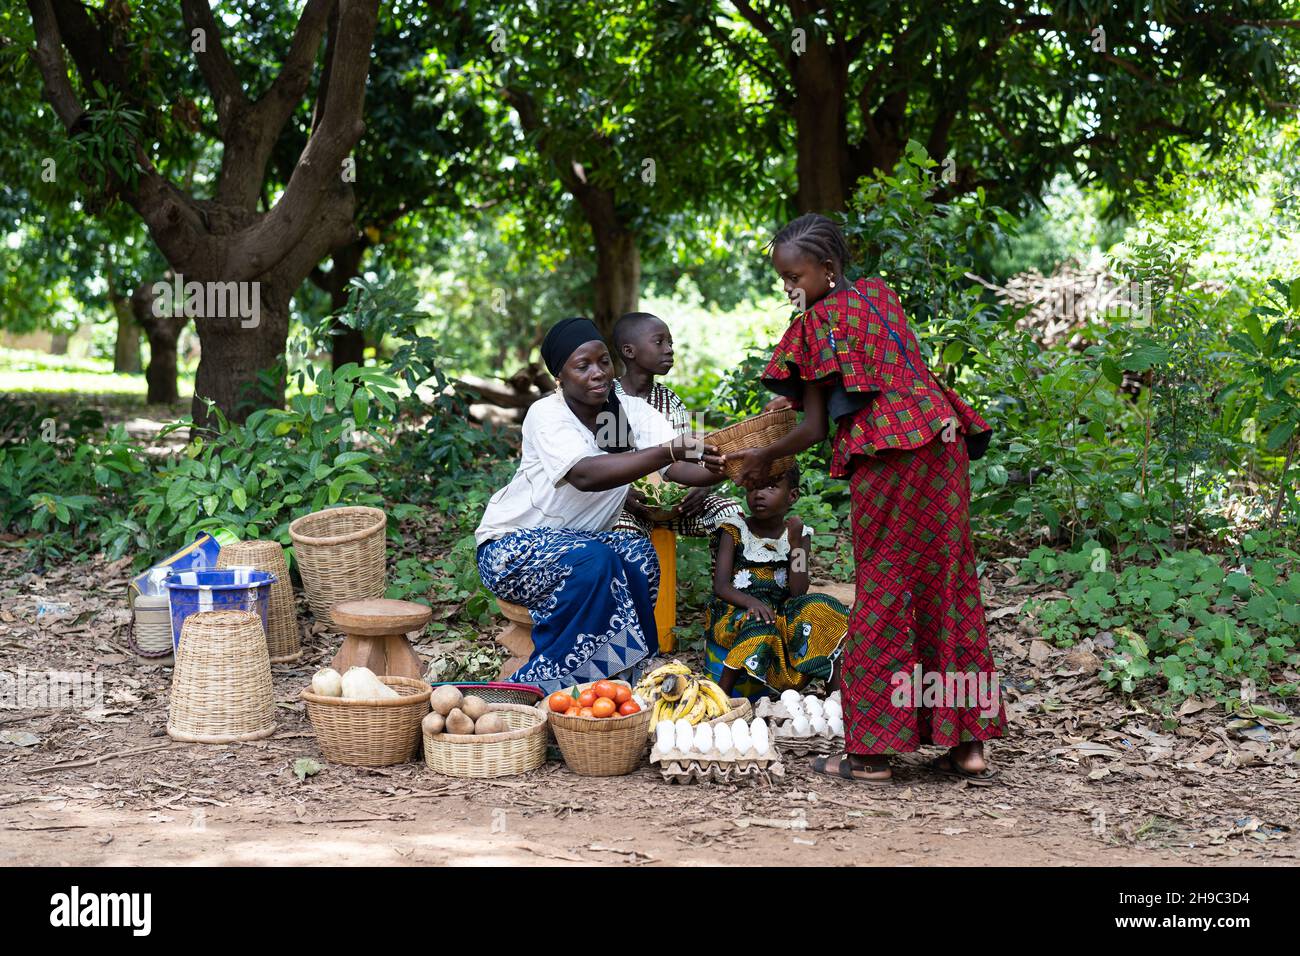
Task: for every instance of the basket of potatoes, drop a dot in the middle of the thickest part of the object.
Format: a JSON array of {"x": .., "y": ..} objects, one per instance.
[{"x": 465, "y": 736}]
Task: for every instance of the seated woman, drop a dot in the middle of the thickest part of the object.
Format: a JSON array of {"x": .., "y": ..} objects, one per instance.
[{"x": 545, "y": 540}]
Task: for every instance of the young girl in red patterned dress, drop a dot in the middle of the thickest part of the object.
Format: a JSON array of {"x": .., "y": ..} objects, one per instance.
[{"x": 901, "y": 440}]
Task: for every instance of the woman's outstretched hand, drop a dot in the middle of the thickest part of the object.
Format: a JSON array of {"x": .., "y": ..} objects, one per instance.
[
  {"x": 777, "y": 404},
  {"x": 755, "y": 466}
]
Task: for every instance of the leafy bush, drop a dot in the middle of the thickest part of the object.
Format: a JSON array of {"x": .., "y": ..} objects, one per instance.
[{"x": 1186, "y": 622}]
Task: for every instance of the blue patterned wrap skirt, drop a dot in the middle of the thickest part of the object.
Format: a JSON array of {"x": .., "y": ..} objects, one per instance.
[{"x": 591, "y": 596}]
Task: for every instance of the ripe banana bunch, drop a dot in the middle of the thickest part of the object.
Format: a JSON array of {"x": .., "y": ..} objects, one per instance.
[{"x": 677, "y": 694}]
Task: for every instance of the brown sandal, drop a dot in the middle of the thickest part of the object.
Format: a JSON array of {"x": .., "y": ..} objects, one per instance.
[
  {"x": 946, "y": 765},
  {"x": 844, "y": 770}
]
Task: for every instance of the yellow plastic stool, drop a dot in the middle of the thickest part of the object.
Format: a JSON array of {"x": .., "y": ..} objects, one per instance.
[{"x": 665, "y": 545}]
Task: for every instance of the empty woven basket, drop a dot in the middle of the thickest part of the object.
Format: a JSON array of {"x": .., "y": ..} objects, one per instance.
[
  {"x": 341, "y": 553},
  {"x": 757, "y": 432},
  {"x": 281, "y": 621},
  {"x": 221, "y": 687}
]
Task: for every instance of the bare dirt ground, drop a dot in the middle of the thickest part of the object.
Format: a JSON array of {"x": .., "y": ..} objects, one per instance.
[{"x": 1086, "y": 777}]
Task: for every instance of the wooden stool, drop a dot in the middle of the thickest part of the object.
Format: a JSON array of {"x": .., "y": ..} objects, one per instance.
[
  {"x": 376, "y": 630},
  {"x": 517, "y": 638},
  {"x": 665, "y": 545}
]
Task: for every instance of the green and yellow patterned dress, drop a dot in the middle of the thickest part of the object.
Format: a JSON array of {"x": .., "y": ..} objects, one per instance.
[{"x": 800, "y": 646}]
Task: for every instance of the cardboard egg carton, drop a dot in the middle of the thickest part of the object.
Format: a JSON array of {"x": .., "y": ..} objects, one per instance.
[
  {"x": 712, "y": 767},
  {"x": 781, "y": 725}
]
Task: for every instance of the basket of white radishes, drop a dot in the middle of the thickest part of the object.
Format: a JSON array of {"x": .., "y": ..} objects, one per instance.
[
  {"x": 366, "y": 721},
  {"x": 805, "y": 724},
  {"x": 731, "y": 752},
  {"x": 465, "y": 736}
]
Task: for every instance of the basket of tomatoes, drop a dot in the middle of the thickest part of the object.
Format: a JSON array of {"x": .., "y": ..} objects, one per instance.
[{"x": 602, "y": 731}]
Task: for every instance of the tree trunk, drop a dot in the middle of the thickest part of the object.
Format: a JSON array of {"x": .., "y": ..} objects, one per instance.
[
  {"x": 822, "y": 159},
  {"x": 162, "y": 333},
  {"x": 239, "y": 353},
  {"x": 618, "y": 261},
  {"x": 126, "y": 347},
  {"x": 346, "y": 345}
]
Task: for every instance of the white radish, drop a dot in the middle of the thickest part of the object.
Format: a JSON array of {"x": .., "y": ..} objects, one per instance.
[
  {"x": 327, "y": 683},
  {"x": 360, "y": 683}
]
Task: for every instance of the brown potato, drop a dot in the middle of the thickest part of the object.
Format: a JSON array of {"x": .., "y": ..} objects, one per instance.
[
  {"x": 445, "y": 699},
  {"x": 433, "y": 723},
  {"x": 458, "y": 723},
  {"x": 490, "y": 723},
  {"x": 474, "y": 707}
]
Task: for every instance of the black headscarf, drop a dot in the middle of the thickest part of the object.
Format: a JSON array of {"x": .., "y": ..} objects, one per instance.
[{"x": 562, "y": 340}]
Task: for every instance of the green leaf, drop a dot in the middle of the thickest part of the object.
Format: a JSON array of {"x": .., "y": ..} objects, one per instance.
[
  {"x": 239, "y": 498},
  {"x": 306, "y": 767}
]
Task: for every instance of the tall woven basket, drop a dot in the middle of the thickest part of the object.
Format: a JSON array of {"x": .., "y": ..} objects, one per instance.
[
  {"x": 281, "y": 621},
  {"x": 341, "y": 553},
  {"x": 602, "y": 746},
  {"x": 221, "y": 687},
  {"x": 370, "y": 733},
  {"x": 757, "y": 432}
]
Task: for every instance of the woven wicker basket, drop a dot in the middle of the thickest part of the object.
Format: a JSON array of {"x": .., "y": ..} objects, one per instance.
[
  {"x": 151, "y": 626},
  {"x": 370, "y": 733},
  {"x": 341, "y": 553},
  {"x": 757, "y": 432},
  {"x": 221, "y": 687},
  {"x": 281, "y": 621},
  {"x": 740, "y": 710},
  {"x": 498, "y": 692},
  {"x": 520, "y": 749},
  {"x": 602, "y": 746}
]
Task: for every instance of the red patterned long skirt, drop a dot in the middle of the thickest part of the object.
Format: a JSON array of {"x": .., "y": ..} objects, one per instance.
[{"x": 917, "y": 666}]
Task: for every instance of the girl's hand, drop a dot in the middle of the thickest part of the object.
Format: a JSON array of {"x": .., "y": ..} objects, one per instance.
[
  {"x": 777, "y": 404},
  {"x": 634, "y": 504},
  {"x": 795, "y": 527},
  {"x": 693, "y": 503},
  {"x": 756, "y": 608},
  {"x": 756, "y": 464}
]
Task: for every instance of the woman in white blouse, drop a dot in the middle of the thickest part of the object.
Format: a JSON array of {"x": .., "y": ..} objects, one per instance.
[{"x": 545, "y": 540}]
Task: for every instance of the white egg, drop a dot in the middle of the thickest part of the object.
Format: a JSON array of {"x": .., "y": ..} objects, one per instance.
[
  {"x": 818, "y": 724},
  {"x": 792, "y": 700},
  {"x": 801, "y": 726},
  {"x": 813, "y": 705},
  {"x": 684, "y": 734},
  {"x": 760, "y": 738},
  {"x": 722, "y": 741},
  {"x": 665, "y": 736},
  {"x": 703, "y": 738},
  {"x": 835, "y": 696},
  {"x": 740, "y": 737},
  {"x": 836, "y": 725},
  {"x": 832, "y": 708}
]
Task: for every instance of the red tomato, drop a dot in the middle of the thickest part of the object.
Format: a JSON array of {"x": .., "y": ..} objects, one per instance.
[
  {"x": 559, "y": 702},
  {"x": 628, "y": 707},
  {"x": 585, "y": 712},
  {"x": 603, "y": 707},
  {"x": 587, "y": 698},
  {"x": 622, "y": 694}
]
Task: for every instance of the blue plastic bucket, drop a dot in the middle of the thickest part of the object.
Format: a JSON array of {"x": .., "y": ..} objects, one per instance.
[{"x": 227, "y": 589}]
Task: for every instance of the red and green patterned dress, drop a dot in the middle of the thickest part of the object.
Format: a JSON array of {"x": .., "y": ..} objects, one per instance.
[{"x": 899, "y": 440}]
